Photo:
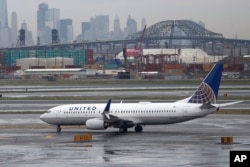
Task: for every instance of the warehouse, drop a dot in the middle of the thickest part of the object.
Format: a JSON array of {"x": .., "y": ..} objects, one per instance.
[
  {"x": 44, "y": 63},
  {"x": 62, "y": 73}
]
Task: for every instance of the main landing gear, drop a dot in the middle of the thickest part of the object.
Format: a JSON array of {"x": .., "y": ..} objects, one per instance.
[
  {"x": 58, "y": 129},
  {"x": 138, "y": 128},
  {"x": 123, "y": 130}
]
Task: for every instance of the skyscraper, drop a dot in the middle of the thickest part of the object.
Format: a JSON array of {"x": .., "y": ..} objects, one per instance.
[
  {"x": 66, "y": 30},
  {"x": 28, "y": 34},
  {"x": 3, "y": 14},
  {"x": 42, "y": 30},
  {"x": 131, "y": 26},
  {"x": 47, "y": 19},
  {"x": 53, "y": 18},
  {"x": 14, "y": 29},
  {"x": 92, "y": 29},
  {"x": 86, "y": 30},
  {"x": 41, "y": 16},
  {"x": 101, "y": 26},
  {"x": 5, "y": 32},
  {"x": 117, "y": 29}
]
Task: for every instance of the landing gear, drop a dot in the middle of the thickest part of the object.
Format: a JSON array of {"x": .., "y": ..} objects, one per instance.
[
  {"x": 58, "y": 129},
  {"x": 138, "y": 128},
  {"x": 123, "y": 130}
]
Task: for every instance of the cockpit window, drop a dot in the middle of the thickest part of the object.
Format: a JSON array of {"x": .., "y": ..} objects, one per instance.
[{"x": 48, "y": 112}]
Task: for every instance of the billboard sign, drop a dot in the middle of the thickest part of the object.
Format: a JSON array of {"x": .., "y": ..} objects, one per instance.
[{"x": 134, "y": 52}]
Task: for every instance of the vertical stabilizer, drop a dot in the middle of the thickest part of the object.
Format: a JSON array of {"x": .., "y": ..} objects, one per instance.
[{"x": 207, "y": 92}]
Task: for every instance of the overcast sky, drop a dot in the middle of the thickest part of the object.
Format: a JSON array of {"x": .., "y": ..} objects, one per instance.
[{"x": 229, "y": 17}]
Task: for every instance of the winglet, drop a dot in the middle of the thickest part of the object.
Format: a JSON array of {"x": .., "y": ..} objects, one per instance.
[{"x": 207, "y": 92}]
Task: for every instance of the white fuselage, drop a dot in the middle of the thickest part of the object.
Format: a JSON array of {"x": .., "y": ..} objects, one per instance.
[{"x": 142, "y": 113}]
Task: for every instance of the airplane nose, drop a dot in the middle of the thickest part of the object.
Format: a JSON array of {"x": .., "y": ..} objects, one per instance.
[{"x": 43, "y": 117}]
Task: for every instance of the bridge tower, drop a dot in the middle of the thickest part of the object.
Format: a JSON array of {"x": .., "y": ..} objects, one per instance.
[
  {"x": 55, "y": 36},
  {"x": 21, "y": 38}
]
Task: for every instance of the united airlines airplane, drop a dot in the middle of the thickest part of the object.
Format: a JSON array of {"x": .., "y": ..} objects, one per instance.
[{"x": 127, "y": 115}]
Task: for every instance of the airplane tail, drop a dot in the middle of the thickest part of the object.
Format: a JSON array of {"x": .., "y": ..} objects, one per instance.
[{"x": 207, "y": 92}]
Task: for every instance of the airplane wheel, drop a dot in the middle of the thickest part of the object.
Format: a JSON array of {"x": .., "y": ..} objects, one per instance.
[
  {"x": 123, "y": 130},
  {"x": 58, "y": 129},
  {"x": 138, "y": 128}
]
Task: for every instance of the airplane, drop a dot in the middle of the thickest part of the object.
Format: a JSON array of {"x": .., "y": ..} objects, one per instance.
[{"x": 128, "y": 115}]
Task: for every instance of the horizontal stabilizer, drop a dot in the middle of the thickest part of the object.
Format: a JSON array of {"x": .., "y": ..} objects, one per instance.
[{"x": 228, "y": 104}]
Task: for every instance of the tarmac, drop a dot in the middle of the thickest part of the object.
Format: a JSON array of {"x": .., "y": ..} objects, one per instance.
[{"x": 25, "y": 140}]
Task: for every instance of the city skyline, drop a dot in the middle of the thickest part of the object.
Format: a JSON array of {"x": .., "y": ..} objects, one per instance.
[{"x": 220, "y": 16}]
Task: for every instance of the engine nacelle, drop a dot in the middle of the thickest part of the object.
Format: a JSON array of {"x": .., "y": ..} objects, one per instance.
[{"x": 96, "y": 124}]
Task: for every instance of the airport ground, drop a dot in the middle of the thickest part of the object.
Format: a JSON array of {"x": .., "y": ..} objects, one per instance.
[
  {"x": 25, "y": 140},
  {"x": 193, "y": 143}
]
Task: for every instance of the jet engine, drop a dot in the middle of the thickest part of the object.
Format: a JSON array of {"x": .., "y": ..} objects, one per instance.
[{"x": 96, "y": 124}]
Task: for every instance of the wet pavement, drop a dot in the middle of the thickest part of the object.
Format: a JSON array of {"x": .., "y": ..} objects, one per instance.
[{"x": 27, "y": 141}]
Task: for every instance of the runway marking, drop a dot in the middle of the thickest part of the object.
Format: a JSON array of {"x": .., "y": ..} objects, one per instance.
[
  {"x": 49, "y": 136},
  {"x": 21, "y": 126},
  {"x": 5, "y": 138}
]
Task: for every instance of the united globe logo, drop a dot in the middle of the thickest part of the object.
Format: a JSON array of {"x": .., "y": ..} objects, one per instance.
[{"x": 204, "y": 95}]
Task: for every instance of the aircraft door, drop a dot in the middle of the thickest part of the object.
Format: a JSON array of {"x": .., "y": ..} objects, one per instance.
[{"x": 59, "y": 112}]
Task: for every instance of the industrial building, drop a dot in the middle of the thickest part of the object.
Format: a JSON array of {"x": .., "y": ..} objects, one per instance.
[
  {"x": 44, "y": 63},
  {"x": 53, "y": 74},
  {"x": 12, "y": 60},
  {"x": 10, "y": 57}
]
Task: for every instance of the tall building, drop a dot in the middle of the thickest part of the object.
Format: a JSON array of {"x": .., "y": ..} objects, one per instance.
[
  {"x": 47, "y": 19},
  {"x": 41, "y": 16},
  {"x": 5, "y": 39},
  {"x": 28, "y": 34},
  {"x": 42, "y": 30},
  {"x": 86, "y": 30},
  {"x": 66, "y": 30},
  {"x": 101, "y": 26},
  {"x": 131, "y": 26},
  {"x": 53, "y": 18},
  {"x": 52, "y": 22},
  {"x": 3, "y": 14},
  {"x": 14, "y": 29},
  {"x": 92, "y": 29},
  {"x": 118, "y": 34}
]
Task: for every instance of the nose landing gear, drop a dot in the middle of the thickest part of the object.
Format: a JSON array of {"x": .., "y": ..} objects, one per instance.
[{"x": 58, "y": 130}]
